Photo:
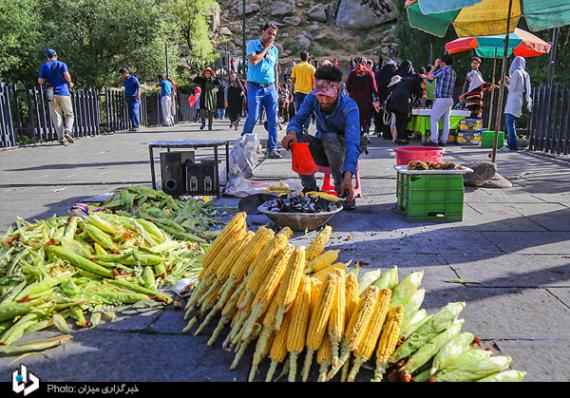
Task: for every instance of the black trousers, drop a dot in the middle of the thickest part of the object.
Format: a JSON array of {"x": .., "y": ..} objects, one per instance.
[
  {"x": 206, "y": 113},
  {"x": 402, "y": 125}
]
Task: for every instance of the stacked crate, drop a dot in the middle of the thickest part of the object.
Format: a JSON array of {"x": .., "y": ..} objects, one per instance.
[{"x": 469, "y": 132}]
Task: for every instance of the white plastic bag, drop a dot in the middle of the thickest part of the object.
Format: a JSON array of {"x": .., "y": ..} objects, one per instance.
[{"x": 244, "y": 156}]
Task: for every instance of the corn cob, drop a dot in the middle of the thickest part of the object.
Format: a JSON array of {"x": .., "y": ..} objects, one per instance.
[
  {"x": 406, "y": 289},
  {"x": 324, "y": 358},
  {"x": 296, "y": 336},
  {"x": 365, "y": 349},
  {"x": 235, "y": 224},
  {"x": 261, "y": 267},
  {"x": 319, "y": 321},
  {"x": 290, "y": 286},
  {"x": 278, "y": 351},
  {"x": 475, "y": 369},
  {"x": 207, "y": 304},
  {"x": 321, "y": 261},
  {"x": 268, "y": 289},
  {"x": 335, "y": 268},
  {"x": 337, "y": 320},
  {"x": 264, "y": 341},
  {"x": 248, "y": 255},
  {"x": 351, "y": 296},
  {"x": 317, "y": 246},
  {"x": 388, "y": 341},
  {"x": 316, "y": 286},
  {"x": 357, "y": 326},
  {"x": 228, "y": 311}
]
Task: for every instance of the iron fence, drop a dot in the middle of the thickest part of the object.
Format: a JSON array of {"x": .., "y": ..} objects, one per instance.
[
  {"x": 25, "y": 117},
  {"x": 549, "y": 124}
]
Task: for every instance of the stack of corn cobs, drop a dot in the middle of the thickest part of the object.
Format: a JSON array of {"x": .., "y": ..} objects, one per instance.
[
  {"x": 69, "y": 269},
  {"x": 285, "y": 300}
]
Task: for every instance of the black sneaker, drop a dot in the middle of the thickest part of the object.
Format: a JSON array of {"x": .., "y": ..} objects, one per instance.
[
  {"x": 202, "y": 127},
  {"x": 430, "y": 143},
  {"x": 349, "y": 206}
]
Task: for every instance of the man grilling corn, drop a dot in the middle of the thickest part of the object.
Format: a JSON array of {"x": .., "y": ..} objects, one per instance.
[{"x": 337, "y": 142}]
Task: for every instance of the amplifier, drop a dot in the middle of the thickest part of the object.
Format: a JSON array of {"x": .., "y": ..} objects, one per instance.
[
  {"x": 202, "y": 178},
  {"x": 172, "y": 169}
]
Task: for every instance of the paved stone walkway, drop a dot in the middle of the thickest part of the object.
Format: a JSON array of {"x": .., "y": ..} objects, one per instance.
[{"x": 515, "y": 243}]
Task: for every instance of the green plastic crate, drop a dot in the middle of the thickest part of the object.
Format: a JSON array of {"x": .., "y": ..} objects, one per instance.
[
  {"x": 430, "y": 197},
  {"x": 488, "y": 138}
]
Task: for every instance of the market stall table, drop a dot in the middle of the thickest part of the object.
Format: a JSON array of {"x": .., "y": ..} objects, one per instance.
[
  {"x": 195, "y": 144},
  {"x": 420, "y": 122}
]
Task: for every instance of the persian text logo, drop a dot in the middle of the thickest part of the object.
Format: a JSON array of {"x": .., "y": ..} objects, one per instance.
[{"x": 20, "y": 380}]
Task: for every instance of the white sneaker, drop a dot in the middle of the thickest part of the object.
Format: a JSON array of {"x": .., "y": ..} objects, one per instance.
[{"x": 68, "y": 137}]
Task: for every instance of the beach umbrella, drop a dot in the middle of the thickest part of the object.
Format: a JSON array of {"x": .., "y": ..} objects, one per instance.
[
  {"x": 488, "y": 17},
  {"x": 485, "y": 17},
  {"x": 521, "y": 43}
]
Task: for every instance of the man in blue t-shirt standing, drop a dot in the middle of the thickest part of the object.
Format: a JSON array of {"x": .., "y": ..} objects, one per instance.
[
  {"x": 132, "y": 97},
  {"x": 55, "y": 74},
  {"x": 165, "y": 100},
  {"x": 262, "y": 83}
]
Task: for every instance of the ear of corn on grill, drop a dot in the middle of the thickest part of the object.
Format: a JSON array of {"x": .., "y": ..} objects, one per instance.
[{"x": 288, "y": 300}]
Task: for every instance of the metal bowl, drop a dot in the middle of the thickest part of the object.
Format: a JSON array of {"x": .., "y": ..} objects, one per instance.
[{"x": 299, "y": 221}]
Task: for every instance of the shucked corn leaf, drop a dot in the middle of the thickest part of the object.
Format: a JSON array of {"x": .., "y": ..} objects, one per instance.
[
  {"x": 388, "y": 280},
  {"x": 475, "y": 369},
  {"x": 404, "y": 291},
  {"x": 507, "y": 375},
  {"x": 367, "y": 279}
]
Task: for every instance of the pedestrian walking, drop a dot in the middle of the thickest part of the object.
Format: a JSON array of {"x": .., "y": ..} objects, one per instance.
[
  {"x": 132, "y": 97},
  {"x": 209, "y": 84},
  {"x": 55, "y": 76},
  {"x": 361, "y": 87},
  {"x": 165, "y": 100},
  {"x": 221, "y": 101},
  {"x": 234, "y": 96},
  {"x": 302, "y": 78},
  {"x": 383, "y": 78},
  {"x": 262, "y": 83},
  {"x": 518, "y": 83},
  {"x": 445, "y": 78}
]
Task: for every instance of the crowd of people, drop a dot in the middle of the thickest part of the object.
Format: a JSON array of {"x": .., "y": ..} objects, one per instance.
[{"x": 343, "y": 110}]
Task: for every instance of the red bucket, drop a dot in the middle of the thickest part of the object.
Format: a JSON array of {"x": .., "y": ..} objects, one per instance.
[{"x": 405, "y": 155}]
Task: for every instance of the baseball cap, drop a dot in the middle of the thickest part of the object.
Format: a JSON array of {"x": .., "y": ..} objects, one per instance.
[
  {"x": 50, "y": 52},
  {"x": 476, "y": 59}
]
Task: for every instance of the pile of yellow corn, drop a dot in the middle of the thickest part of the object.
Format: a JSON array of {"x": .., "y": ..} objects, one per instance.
[{"x": 287, "y": 300}]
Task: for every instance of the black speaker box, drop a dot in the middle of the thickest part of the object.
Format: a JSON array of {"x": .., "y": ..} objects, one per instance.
[
  {"x": 173, "y": 168},
  {"x": 202, "y": 178}
]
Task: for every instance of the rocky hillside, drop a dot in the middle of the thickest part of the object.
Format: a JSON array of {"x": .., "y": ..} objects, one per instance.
[{"x": 328, "y": 29}]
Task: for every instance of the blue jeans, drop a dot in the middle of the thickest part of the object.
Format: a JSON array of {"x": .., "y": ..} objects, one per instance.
[
  {"x": 298, "y": 100},
  {"x": 220, "y": 113},
  {"x": 134, "y": 106},
  {"x": 510, "y": 126},
  {"x": 256, "y": 97}
]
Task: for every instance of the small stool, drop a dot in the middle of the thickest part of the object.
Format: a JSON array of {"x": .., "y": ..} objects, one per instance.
[{"x": 329, "y": 188}]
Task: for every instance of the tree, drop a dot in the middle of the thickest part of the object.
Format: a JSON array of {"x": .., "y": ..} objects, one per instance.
[{"x": 195, "y": 21}]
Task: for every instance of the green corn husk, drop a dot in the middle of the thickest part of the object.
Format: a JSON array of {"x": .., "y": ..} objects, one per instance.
[
  {"x": 505, "y": 376},
  {"x": 148, "y": 278},
  {"x": 75, "y": 247},
  {"x": 388, "y": 280},
  {"x": 474, "y": 369},
  {"x": 32, "y": 346},
  {"x": 100, "y": 237},
  {"x": 413, "y": 305},
  {"x": 405, "y": 290},
  {"x": 431, "y": 348},
  {"x": 451, "y": 351},
  {"x": 10, "y": 310},
  {"x": 413, "y": 324},
  {"x": 60, "y": 323},
  {"x": 431, "y": 328},
  {"x": 47, "y": 284},
  {"x": 367, "y": 278},
  {"x": 422, "y": 376}
]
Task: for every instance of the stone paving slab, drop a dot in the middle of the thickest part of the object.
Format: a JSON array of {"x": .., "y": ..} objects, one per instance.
[
  {"x": 562, "y": 294},
  {"x": 543, "y": 360},
  {"x": 498, "y": 313},
  {"x": 514, "y": 270},
  {"x": 532, "y": 242}
]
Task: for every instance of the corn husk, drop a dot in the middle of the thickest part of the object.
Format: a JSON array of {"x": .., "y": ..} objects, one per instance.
[
  {"x": 451, "y": 351},
  {"x": 507, "y": 375},
  {"x": 388, "y": 280},
  {"x": 405, "y": 290}
]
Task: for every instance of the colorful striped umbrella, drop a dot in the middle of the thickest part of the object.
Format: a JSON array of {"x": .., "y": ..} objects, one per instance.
[
  {"x": 485, "y": 17},
  {"x": 521, "y": 43}
]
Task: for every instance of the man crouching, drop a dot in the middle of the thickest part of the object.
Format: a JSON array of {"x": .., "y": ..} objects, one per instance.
[{"x": 337, "y": 142}]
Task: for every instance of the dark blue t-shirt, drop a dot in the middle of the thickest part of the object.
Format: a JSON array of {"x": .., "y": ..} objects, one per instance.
[
  {"x": 52, "y": 72},
  {"x": 131, "y": 86}
]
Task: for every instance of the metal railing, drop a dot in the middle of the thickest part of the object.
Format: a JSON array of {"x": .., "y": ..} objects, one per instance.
[
  {"x": 25, "y": 116},
  {"x": 549, "y": 124}
]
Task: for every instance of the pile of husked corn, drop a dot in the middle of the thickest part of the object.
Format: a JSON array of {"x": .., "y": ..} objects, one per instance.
[{"x": 287, "y": 300}]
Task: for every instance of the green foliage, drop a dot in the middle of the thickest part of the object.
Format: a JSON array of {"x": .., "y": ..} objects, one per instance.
[{"x": 97, "y": 37}]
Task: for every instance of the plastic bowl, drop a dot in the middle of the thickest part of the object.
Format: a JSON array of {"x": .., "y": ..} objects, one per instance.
[
  {"x": 405, "y": 155},
  {"x": 299, "y": 221}
]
